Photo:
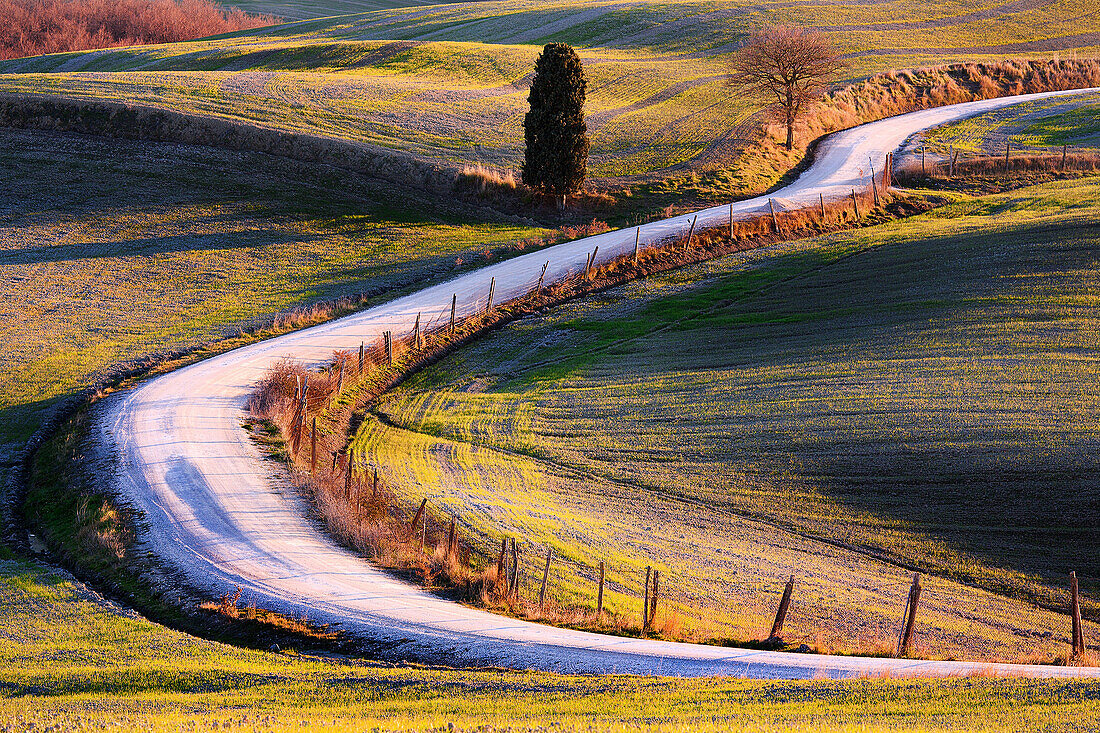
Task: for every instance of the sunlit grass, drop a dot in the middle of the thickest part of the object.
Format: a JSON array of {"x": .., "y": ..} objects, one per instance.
[
  {"x": 68, "y": 661},
  {"x": 921, "y": 391},
  {"x": 449, "y": 82},
  {"x": 1045, "y": 124}
]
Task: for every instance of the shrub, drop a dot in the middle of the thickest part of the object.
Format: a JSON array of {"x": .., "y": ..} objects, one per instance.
[{"x": 50, "y": 26}]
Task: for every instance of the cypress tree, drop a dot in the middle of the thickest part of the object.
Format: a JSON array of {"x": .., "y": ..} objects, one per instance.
[{"x": 556, "y": 136}]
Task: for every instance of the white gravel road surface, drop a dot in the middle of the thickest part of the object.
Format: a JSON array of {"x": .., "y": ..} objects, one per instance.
[{"x": 216, "y": 512}]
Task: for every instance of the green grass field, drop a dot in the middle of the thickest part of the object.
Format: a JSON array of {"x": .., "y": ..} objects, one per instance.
[
  {"x": 306, "y": 9},
  {"x": 1032, "y": 126},
  {"x": 67, "y": 662},
  {"x": 920, "y": 392},
  {"x": 111, "y": 250}
]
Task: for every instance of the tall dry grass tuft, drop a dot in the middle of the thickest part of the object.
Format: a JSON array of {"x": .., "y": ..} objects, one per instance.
[
  {"x": 896, "y": 92},
  {"x": 486, "y": 180},
  {"x": 33, "y": 27}
]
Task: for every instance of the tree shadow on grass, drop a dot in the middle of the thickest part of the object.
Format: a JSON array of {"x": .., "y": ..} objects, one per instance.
[{"x": 149, "y": 246}]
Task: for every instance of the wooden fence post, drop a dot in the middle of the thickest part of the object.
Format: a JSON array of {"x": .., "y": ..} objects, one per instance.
[
  {"x": 387, "y": 337},
  {"x": 874, "y": 184},
  {"x": 545, "y": 577},
  {"x": 910, "y": 617},
  {"x": 645, "y": 603},
  {"x": 637, "y": 243},
  {"x": 513, "y": 590},
  {"x": 653, "y": 598},
  {"x": 1075, "y": 612},
  {"x": 302, "y": 404},
  {"x": 691, "y": 231},
  {"x": 542, "y": 276},
  {"x": 416, "y": 517},
  {"x": 374, "y": 485},
  {"x": 335, "y": 458},
  {"x": 955, "y": 164},
  {"x": 775, "y": 219},
  {"x": 855, "y": 204},
  {"x": 313, "y": 449},
  {"x": 1008, "y": 149},
  {"x": 599, "y": 595},
  {"x": 297, "y": 387},
  {"x": 731, "y": 222},
  {"x": 362, "y": 349},
  {"x": 502, "y": 578},
  {"x": 923, "y": 163},
  {"x": 450, "y": 539},
  {"x": 888, "y": 173},
  {"x": 416, "y": 333},
  {"x": 492, "y": 290},
  {"x": 821, "y": 200},
  {"x": 781, "y": 613},
  {"x": 347, "y": 474},
  {"x": 591, "y": 261}
]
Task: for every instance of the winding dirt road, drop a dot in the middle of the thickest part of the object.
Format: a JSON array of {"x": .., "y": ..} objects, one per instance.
[{"x": 215, "y": 511}]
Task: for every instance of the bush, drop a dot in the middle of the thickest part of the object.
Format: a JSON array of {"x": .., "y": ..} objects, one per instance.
[{"x": 50, "y": 26}]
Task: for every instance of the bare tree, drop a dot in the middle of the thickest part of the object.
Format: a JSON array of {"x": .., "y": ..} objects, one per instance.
[{"x": 789, "y": 66}]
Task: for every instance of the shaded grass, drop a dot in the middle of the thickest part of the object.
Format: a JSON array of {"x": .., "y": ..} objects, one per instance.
[{"x": 139, "y": 248}]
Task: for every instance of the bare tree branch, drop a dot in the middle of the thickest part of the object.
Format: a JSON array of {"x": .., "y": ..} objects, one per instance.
[{"x": 788, "y": 66}]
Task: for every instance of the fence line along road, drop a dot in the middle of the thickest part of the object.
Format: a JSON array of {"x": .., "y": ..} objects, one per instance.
[{"x": 220, "y": 514}]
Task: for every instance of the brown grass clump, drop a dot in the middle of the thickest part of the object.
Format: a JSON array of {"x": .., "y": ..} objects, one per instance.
[
  {"x": 102, "y": 529},
  {"x": 486, "y": 180},
  {"x": 230, "y": 607},
  {"x": 33, "y": 27},
  {"x": 896, "y": 92}
]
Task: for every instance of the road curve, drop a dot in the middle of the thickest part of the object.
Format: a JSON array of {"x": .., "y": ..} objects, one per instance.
[{"x": 218, "y": 513}]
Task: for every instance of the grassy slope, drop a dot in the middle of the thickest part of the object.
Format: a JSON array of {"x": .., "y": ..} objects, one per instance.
[
  {"x": 110, "y": 670},
  {"x": 454, "y": 87},
  {"x": 1045, "y": 125},
  {"x": 110, "y": 250},
  {"x": 172, "y": 236},
  {"x": 923, "y": 390},
  {"x": 306, "y": 9}
]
